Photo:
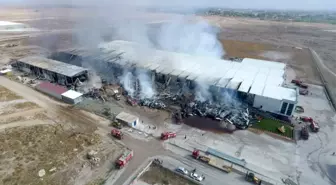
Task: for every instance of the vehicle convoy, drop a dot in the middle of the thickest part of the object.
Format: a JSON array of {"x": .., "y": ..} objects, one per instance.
[
  {"x": 117, "y": 134},
  {"x": 196, "y": 154},
  {"x": 124, "y": 158},
  {"x": 250, "y": 177},
  {"x": 167, "y": 135}
]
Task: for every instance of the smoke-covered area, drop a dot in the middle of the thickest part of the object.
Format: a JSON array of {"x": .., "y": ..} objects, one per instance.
[
  {"x": 147, "y": 89},
  {"x": 127, "y": 80},
  {"x": 180, "y": 34},
  {"x": 191, "y": 37}
]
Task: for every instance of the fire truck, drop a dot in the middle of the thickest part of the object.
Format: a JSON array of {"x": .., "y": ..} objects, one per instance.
[
  {"x": 196, "y": 155},
  {"x": 124, "y": 158},
  {"x": 117, "y": 133},
  {"x": 207, "y": 159},
  {"x": 314, "y": 126},
  {"x": 167, "y": 135}
]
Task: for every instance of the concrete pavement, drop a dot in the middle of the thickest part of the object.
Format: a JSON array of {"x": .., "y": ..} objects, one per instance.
[{"x": 212, "y": 175}]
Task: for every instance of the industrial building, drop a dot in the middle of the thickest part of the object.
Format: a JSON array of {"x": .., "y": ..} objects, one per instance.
[
  {"x": 52, "y": 70},
  {"x": 72, "y": 97},
  {"x": 128, "y": 119},
  {"x": 260, "y": 81}
]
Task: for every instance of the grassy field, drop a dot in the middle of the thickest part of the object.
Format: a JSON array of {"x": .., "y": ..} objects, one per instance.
[
  {"x": 241, "y": 49},
  {"x": 273, "y": 125}
]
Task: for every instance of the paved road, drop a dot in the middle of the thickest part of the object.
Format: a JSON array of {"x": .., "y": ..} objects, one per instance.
[
  {"x": 212, "y": 176},
  {"x": 142, "y": 149}
]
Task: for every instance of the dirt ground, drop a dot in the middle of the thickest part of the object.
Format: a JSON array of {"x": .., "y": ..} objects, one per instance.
[
  {"x": 162, "y": 176},
  {"x": 34, "y": 140}
]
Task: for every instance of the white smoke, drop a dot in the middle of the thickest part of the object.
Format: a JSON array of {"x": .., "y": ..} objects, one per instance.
[
  {"x": 195, "y": 37},
  {"x": 147, "y": 90},
  {"x": 127, "y": 80},
  {"x": 202, "y": 92}
]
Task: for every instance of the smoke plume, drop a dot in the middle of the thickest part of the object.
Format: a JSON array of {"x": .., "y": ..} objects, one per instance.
[
  {"x": 147, "y": 89},
  {"x": 181, "y": 34},
  {"x": 195, "y": 37}
]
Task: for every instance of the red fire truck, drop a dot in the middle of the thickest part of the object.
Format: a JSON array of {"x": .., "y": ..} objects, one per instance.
[
  {"x": 124, "y": 158},
  {"x": 167, "y": 135}
]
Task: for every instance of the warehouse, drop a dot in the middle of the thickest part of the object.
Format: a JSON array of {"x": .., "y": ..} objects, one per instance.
[
  {"x": 52, "y": 70},
  {"x": 261, "y": 82},
  {"x": 128, "y": 119}
]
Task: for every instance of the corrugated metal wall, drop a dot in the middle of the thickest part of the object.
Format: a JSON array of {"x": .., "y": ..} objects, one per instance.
[{"x": 51, "y": 89}]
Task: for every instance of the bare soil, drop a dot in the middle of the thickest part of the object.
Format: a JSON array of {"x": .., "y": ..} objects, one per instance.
[
  {"x": 32, "y": 139},
  {"x": 40, "y": 147},
  {"x": 18, "y": 107},
  {"x": 162, "y": 176},
  {"x": 7, "y": 95}
]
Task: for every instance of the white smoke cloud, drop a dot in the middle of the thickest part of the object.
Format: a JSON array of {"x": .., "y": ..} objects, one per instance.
[
  {"x": 191, "y": 37},
  {"x": 127, "y": 80},
  {"x": 147, "y": 90}
]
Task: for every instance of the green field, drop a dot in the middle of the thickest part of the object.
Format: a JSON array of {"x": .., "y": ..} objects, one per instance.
[{"x": 273, "y": 125}]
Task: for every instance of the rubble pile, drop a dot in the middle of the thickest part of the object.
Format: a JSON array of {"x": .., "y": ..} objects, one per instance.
[
  {"x": 230, "y": 112},
  {"x": 239, "y": 116}
]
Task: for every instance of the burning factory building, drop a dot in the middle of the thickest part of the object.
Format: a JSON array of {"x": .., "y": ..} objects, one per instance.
[{"x": 216, "y": 85}]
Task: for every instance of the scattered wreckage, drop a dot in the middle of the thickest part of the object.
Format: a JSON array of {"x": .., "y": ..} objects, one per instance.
[{"x": 237, "y": 115}]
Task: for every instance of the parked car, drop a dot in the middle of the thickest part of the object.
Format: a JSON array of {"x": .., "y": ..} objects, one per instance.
[
  {"x": 182, "y": 170},
  {"x": 197, "y": 177}
]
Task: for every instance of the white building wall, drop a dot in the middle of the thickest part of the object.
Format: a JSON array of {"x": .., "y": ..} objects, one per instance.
[{"x": 268, "y": 104}]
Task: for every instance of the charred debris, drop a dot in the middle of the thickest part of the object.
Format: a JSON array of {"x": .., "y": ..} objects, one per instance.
[
  {"x": 231, "y": 114},
  {"x": 157, "y": 91}
]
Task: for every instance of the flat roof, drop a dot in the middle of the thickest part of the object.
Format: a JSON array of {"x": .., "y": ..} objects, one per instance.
[
  {"x": 280, "y": 93},
  {"x": 126, "y": 117},
  {"x": 51, "y": 87},
  {"x": 72, "y": 94},
  {"x": 53, "y": 65},
  {"x": 249, "y": 75}
]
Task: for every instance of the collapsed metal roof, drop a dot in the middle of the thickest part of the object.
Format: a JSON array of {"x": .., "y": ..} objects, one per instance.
[{"x": 249, "y": 76}]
